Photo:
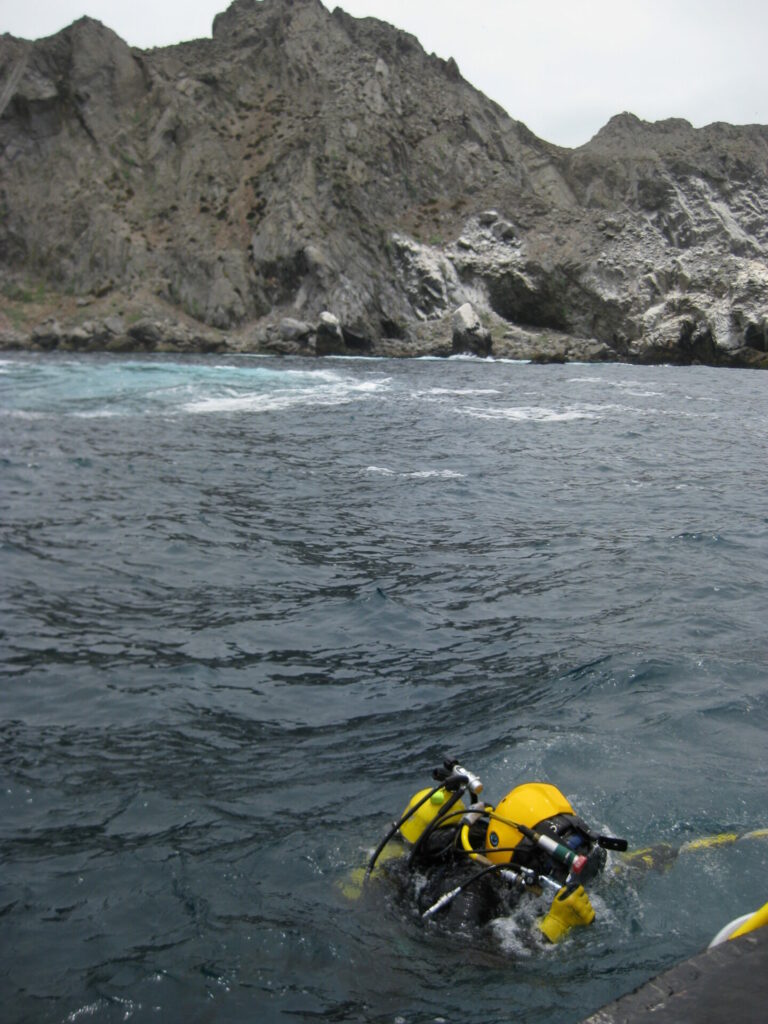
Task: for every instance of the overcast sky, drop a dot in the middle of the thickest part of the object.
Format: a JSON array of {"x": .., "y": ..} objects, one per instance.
[{"x": 563, "y": 67}]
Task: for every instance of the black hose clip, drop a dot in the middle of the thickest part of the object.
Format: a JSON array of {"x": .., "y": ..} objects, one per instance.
[
  {"x": 444, "y": 772},
  {"x": 612, "y": 843}
]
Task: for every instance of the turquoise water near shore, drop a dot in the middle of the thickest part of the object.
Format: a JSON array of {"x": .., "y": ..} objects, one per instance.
[{"x": 247, "y": 604}]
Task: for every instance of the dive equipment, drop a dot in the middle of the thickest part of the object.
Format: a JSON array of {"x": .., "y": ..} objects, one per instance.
[
  {"x": 530, "y": 841},
  {"x": 453, "y": 778},
  {"x": 661, "y": 856},
  {"x": 522, "y": 877},
  {"x": 535, "y": 819},
  {"x": 438, "y": 821},
  {"x": 570, "y": 908},
  {"x": 529, "y": 804},
  {"x": 425, "y": 811},
  {"x": 560, "y": 853},
  {"x": 409, "y": 812}
]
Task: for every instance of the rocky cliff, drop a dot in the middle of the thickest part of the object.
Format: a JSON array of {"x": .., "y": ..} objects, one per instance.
[{"x": 311, "y": 182}]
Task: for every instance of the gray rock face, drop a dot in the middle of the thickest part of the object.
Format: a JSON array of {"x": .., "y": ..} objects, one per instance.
[
  {"x": 329, "y": 339},
  {"x": 469, "y": 335},
  {"x": 301, "y": 162},
  {"x": 294, "y": 330}
]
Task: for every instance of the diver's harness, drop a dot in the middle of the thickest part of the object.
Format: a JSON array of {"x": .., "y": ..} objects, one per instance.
[{"x": 545, "y": 854}]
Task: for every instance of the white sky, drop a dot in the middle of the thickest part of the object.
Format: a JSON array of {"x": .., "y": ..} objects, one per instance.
[{"x": 563, "y": 67}]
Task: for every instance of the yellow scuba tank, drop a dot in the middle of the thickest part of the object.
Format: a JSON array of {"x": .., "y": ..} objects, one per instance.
[
  {"x": 527, "y": 805},
  {"x": 352, "y": 886},
  {"x": 423, "y": 816}
]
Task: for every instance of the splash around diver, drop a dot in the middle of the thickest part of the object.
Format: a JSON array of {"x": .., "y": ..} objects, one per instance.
[{"x": 463, "y": 862}]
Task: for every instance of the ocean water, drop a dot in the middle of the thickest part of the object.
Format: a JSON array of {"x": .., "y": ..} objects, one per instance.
[{"x": 248, "y": 604}]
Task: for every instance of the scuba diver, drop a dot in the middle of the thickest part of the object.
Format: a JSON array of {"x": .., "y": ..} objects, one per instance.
[{"x": 461, "y": 859}]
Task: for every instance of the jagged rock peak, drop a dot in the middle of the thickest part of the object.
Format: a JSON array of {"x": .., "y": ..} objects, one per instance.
[
  {"x": 243, "y": 16},
  {"x": 84, "y": 32},
  {"x": 628, "y": 127},
  {"x": 251, "y": 22}
]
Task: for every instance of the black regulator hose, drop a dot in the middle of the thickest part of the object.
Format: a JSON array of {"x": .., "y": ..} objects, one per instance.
[{"x": 408, "y": 814}]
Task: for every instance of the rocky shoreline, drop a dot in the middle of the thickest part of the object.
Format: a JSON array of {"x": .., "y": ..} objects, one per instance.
[{"x": 463, "y": 332}]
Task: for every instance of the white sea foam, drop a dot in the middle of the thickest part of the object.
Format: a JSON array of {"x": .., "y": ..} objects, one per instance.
[
  {"x": 420, "y": 474},
  {"x": 361, "y": 359},
  {"x": 329, "y": 376},
  {"x": 513, "y": 934},
  {"x": 536, "y": 414},
  {"x": 330, "y": 389},
  {"x": 372, "y": 385},
  {"x": 23, "y": 414},
  {"x": 629, "y": 387},
  {"x": 455, "y": 391},
  {"x": 97, "y": 414},
  {"x": 460, "y": 357},
  {"x": 441, "y": 474},
  {"x": 675, "y": 412},
  {"x": 468, "y": 357},
  {"x": 142, "y": 387},
  {"x": 274, "y": 402}
]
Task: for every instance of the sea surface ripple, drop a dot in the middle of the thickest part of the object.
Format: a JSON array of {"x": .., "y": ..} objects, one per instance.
[{"x": 248, "y": 604}]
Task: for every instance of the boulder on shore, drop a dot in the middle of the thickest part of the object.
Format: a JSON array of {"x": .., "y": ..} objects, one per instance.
[
  {"x": 329, "y": 339},
  {"x": 469, "y": 335}
]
